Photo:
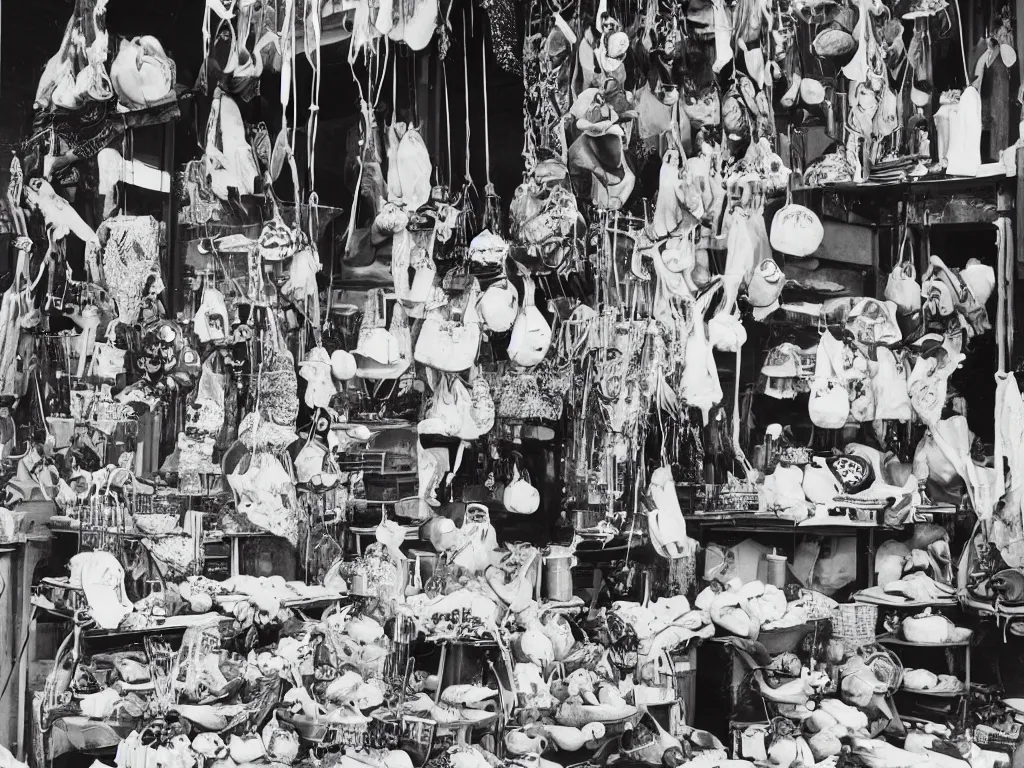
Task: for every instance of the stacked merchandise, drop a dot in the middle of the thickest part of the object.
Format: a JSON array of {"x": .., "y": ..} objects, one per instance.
[{"x": 400, "y": 401}]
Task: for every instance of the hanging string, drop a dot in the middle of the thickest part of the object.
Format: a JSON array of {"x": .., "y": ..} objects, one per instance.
[
  {"x": 447, "y": 125},
  {"x": 368, "y": 107},
  {"x": 963, "y": 51},
  {"x": 313, "y": 122},
  {"x": 465, "y": 64},
  {"x": 487, "y": 123},
  {"x": 491, "y": 219}
]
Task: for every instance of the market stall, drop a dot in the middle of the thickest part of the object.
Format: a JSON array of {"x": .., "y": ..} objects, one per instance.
[{"x": 674, "y": 422}]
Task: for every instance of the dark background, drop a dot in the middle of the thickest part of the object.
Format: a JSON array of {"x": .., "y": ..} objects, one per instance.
[{"x": 31, "y": 32}]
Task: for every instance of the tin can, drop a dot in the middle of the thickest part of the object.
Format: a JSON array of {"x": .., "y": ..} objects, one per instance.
[{"x": 558, "y": 577}]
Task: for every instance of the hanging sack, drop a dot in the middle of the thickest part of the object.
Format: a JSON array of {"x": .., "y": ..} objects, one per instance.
[
  {"x": 211, "y": 320},
  {"x": 142, "y": 74},
  {"x": 531, "y": 334},
  {"x": 278, "y": 382},
  {"x": 902, "y": 288},
  {"x": 480, "y": 416},
  {"x": 964, "y": 156},
  {"x": 521, "y": 498},
  {"x": 447, "y": 408},
  {"x": 450, "y": 337},
  {"x": 892, "y": 398},
  {"x": 230, "y": 162},
  {"x": 765, "y": 288},
  {"x": 796, "y": 231},
  {"x": 499, "y": 306},
  {"x": 829, "y": 403}
]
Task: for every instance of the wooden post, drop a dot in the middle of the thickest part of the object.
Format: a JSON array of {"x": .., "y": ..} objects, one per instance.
[
  {"x": 32, "y": 552},
  {"x": 8, "y": 651}
]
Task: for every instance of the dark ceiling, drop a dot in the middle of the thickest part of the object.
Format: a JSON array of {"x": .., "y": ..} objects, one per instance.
[{"x": 31, "y": 31}]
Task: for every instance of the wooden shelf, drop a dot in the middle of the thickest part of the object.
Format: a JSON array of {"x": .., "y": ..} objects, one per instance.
[{"x": 891, "y": 640}]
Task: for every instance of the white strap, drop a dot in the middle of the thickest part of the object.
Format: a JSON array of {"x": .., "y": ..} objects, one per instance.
[
  {"x": 487, "y": 122},
  {"x": 447, "y": 122},
  {"x": 313, "y": 56}
]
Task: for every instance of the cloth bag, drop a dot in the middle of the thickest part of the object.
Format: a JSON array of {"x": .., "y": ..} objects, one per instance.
[
  {"x": 829, "y": 403},
  {"x": 889, "y": 380},
  {"x": 450, "y": 337},
  {"x": 901, "y": 287},
  {"x": 531, "y": 334}
]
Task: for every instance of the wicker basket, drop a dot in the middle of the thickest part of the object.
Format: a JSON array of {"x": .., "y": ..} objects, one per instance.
[{"x": 854, "y": 624}]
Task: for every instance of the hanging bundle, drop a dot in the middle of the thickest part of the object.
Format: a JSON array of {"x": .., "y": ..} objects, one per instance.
[{"x": 502, "y": 17}]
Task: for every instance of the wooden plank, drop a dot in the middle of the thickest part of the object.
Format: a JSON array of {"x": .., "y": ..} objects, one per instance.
[
  {"x": 1019, "y": 228},
  {"x": 1019, "y": 28},
  {"x": 8, "y": 651},
  {"x": 31, "y": 554}
]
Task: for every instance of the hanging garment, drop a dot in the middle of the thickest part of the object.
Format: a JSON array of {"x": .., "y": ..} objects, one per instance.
[
  {"x": 414, "y": 21},
  {"x": 230, "y": 162},
  {"x": 665, "y": 520},
  {"x": 142, "y": 74},
  {"x": 316, "y": 370},
  {"x": 264, "y": 493},
  {"x": 964, "y": 154},
  {"x": 889, "y": 380},
  {"x": 409, "y": 167},
  {"x": 679, "y": 206},
  {"x": 131, "y": 263},
  {"x": 929, "y": 378},
  {"x": 1007, "y": 531},
  {"x": 699, "y": 386},
  {"x": 77, "y": 72},
  {"x": 829, "y": 403}
]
